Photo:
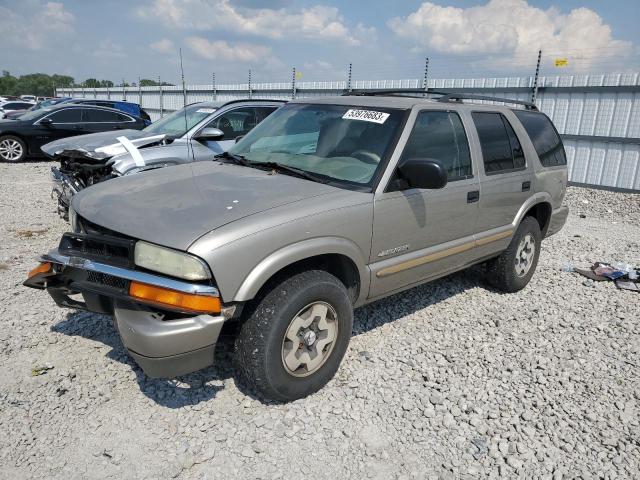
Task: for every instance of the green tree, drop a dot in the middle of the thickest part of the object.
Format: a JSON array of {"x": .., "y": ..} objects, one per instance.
[
  {"x": 92, "y": 83},
  {"x": 106, "y": 83}
]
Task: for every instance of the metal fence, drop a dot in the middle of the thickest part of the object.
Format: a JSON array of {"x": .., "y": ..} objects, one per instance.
[{"x": 598, "y": 116}]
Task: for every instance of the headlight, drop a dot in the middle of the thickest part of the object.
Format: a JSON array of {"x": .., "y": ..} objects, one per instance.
[{"x": 170, "y": 262}]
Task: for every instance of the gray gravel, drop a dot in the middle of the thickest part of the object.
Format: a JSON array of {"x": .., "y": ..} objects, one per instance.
[{"x": 448, "y": 380}]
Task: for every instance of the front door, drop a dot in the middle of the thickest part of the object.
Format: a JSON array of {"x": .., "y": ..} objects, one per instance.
[
  {"x": 420, "y": 234},
  {"x": 64, "y": 123}
]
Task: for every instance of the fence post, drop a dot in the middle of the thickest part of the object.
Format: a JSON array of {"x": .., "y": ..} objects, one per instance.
[
  {"x": 83, "y": 91},
  {"x": 161, "y": 99},
  {"x": 139, "y": 92},
  {"x": 108, "y": 93},
  {"x": 213, "y": 86},
  {"x": 534, "y": 93},
  {"x": 250, "y": 83},
  {"x": 349, "y": 79},
  {"x": 124, "y": 92},
  {"x": 293, "y": 84},
  {"x": 426, "y": 74}
]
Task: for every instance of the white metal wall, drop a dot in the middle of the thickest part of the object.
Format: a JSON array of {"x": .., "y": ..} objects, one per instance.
[{"x": 604, "y": 107}]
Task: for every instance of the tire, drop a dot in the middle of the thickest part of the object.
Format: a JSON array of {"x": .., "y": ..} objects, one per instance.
[
  {"x": 503, "y": 272},
  {"x": 264, "y": 353},
  {"x": 12, "y": 149}
]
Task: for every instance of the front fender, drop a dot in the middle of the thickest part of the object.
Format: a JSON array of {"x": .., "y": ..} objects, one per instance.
[{"x": 293, "y": 253}]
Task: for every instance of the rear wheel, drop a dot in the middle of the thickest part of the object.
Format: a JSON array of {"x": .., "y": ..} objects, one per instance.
[
  {"x": 293, "y": 341},
  {"x": 513, "y": 269},
  {"x": 12, "y": 149}
]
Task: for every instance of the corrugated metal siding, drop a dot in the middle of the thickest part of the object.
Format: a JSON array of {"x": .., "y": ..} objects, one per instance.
[{"x": 583, "y": 109}]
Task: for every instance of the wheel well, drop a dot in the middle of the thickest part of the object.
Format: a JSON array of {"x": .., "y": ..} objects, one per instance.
[
  {"x": 542, "y": 213},
  {"x": 340, "y": 266}
]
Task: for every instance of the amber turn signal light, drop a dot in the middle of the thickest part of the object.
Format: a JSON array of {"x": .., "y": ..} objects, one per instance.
[
  {"x": 177, "y": 300},
  {"x": 42, "y": 268}
]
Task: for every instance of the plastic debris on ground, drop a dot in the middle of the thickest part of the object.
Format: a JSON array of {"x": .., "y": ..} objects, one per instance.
[
  {"x": 623, "y": 275},
  {"x": 36, "y": 371}
]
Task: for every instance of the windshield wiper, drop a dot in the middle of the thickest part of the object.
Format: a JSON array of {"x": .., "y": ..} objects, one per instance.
[
  {"x": 238, "y": 159},
  {"x": 291, "y": 170}
]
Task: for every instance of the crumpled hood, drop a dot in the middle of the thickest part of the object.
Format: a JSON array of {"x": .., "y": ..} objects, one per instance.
[
  {"x": 91, "y": 141},
  {"x": 175, "y": 206}
]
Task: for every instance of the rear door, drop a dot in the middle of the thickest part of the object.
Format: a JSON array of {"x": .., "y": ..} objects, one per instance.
[
  {"x": 100, "y": 120},
  {"x": 506, "y": 180}
]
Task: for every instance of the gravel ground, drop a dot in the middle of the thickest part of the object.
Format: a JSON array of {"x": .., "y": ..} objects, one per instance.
[{"x": 447, "y": 380}]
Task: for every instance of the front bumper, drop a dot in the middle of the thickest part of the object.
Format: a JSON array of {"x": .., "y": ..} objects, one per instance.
[
  {"x": 164, "y": 344},
  {"x": 64, "y": 188}
]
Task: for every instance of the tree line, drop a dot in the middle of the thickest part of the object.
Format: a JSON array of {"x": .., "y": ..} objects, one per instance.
[{"x": 44, "y": 85}]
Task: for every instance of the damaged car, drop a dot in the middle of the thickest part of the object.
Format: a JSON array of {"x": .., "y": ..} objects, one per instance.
[
  {"x": 327, "y": 205},
  {"x": 195, "y": 133}
]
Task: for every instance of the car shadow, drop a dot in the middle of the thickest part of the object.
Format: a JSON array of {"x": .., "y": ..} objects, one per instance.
[
  {"x": 185, "y": 390},
  {"x": 205, "y": 384}
]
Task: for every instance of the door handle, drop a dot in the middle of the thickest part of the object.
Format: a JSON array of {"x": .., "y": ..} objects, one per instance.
[
  {"x": 526, "y": 186},
  {"x": 473, "y": 196}
]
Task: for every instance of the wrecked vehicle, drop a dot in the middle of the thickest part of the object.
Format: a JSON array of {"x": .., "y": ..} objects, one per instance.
[
  {"x": 194, "y": 133},
  {"x": 327, "y": 205}
]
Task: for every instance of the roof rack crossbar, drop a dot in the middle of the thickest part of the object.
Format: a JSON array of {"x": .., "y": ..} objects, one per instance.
[{"x": 445, "y": 97}]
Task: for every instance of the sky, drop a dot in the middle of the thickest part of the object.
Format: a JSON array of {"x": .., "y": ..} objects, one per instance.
[{"x": 383, "y": 39}]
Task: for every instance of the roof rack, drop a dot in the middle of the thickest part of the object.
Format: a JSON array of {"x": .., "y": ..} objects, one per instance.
[{"x": 445, "y": 97}]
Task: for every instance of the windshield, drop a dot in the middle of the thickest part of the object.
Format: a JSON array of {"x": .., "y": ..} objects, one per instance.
[
  {"x": 345, "y": 145},
  {"x": 32, "y": 114},
  {"x": 46, "y": 103},
  {"x": 173, "y": 125}
]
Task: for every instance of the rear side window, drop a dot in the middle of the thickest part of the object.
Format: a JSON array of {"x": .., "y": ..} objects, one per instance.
[
  {"x": 544, "y": 137},
  {"x": 68, "y": 115},
  {"x": 501, "y": 149},
  {"x": 441, "y": 136},
  {"x": 93, "y": 115}
]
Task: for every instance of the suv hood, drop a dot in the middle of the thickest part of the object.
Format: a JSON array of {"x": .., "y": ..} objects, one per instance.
[
  {"x": 175, "y": 206},
  {"x": 90, "y": 142}
]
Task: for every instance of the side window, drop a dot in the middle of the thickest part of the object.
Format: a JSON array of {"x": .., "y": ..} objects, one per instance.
[
  {"x": 93, "y": 115},
  {"x": 501, "y": 150},
  {"x": 441, "y": 136},
  {"x": 544, "y": 137},
  {"x": 68, "y": 115},
  {"x": 235, "y": 122}
]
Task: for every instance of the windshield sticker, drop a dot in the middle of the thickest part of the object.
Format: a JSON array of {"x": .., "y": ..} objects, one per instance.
[
  {"x": 205, "y": 110},
  {"x": 366, "y": 116}
]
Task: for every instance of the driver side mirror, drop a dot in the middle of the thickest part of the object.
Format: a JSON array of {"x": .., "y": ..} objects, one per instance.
[
  {"x": 424, "y": 173},
  {"x": 210, "y": 133},
  {"x": 47, "y": 122}
]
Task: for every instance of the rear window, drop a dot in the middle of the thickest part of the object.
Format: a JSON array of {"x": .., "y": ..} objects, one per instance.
[
  {"x": 93, "y": 115},
  {"x": 544, "y": 137}
]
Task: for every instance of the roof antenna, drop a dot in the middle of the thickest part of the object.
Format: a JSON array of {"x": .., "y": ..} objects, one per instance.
[{"x": 184, "y": 107}]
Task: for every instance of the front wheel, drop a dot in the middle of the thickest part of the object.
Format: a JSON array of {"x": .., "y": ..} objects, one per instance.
[
  {"x": 513, "y": 269},
  {"x": 292, "y": 343},
  {"x": 12, "y": 149}
]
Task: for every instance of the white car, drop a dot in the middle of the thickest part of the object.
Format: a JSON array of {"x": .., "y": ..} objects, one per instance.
[
  {"x": 29, "y": 98},
  {"x": 12, "y": 105}
]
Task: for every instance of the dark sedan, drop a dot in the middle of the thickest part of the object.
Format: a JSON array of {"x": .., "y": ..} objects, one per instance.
[{"x": 23, "y": 137}]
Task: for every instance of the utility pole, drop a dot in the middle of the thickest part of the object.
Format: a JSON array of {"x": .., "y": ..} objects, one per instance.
[
  {"x": 184, "y": 86},
  {"x": 349, "y": 79},
  {"x": 534, "y": 93}
]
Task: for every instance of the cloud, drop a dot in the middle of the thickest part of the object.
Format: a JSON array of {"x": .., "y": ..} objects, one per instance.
[
  {"x": 317, "y": 22},
  {"x": 39, "y": 29},
  {"x": 108, "y": 49},
  {"x": 511, "y": 28},
  {"x": 163, "y": 46},
  {"x": 221, "y": 50}
]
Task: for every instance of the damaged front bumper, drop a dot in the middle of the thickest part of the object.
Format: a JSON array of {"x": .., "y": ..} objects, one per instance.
[
  {"x": 164, "y": 343},
  {"x": 64, "y": 188}
]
